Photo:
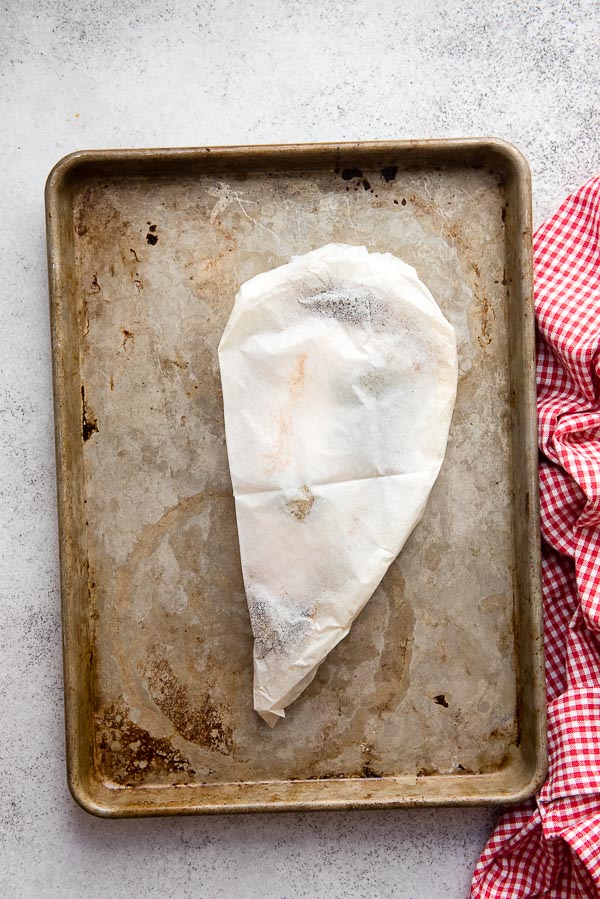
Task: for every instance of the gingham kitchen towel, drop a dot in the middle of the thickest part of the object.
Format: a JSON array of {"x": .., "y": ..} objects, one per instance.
[{"x": 550, "y": 847}]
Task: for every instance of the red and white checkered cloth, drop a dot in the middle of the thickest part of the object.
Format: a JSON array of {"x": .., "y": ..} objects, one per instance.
[{"x": 550, "y": 847}]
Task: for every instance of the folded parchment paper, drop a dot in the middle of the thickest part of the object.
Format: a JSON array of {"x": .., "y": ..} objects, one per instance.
[{"x": 339, "y": 377}]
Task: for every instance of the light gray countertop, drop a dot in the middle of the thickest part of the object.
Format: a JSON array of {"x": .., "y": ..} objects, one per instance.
[{"x": 76, "y": 75}]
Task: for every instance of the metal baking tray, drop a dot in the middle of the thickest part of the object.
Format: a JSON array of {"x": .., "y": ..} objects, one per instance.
[{"x": 437, "y": 696}]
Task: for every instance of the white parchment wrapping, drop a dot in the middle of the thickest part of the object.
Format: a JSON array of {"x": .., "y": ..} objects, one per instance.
[{"x": 339, "y": 376}]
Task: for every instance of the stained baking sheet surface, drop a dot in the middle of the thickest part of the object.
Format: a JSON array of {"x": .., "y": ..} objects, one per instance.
[{"x": 426, "y": 699}]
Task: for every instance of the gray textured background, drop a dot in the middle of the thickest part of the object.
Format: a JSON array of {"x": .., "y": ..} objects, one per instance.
[{"x": 76, "y": 74}]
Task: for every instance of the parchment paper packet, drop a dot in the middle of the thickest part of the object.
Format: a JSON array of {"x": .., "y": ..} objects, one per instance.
[{"x": 339, "y": 376}]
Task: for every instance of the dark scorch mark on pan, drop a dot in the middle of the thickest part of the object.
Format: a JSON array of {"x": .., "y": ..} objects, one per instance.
[
  {"x": 89, "y": 425},
  {"x": 389, "y": 172},
  {"x": 368, "y": 771}
]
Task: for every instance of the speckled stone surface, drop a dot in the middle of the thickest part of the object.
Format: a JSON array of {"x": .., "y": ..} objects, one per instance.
[{"x": 109, "y": 74}]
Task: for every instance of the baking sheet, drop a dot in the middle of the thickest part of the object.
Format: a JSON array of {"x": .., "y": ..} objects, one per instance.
[{"x": 437, "y": 694}]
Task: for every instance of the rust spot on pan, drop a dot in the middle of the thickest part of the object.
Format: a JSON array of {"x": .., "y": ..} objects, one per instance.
[
  {"x": 127, "y": 336},
  {"x": 487, "y": 315},
  {"x": 129, "y": 754},
  {"x": 89, "y": 425},
  {"x": 203, "y": 726},
  {"x": 177, "y": 363}
]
